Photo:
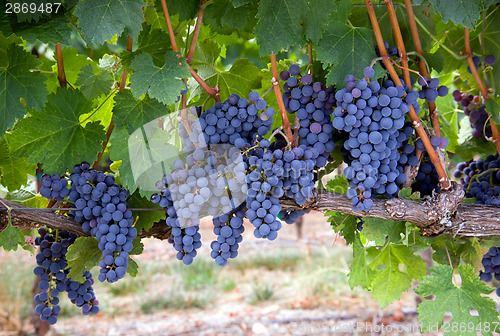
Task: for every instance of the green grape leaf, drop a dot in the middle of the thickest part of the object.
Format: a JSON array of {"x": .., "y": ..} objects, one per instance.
[
  {"x": 349, "y": 49},
  {"x": 101, "y": 20},
  {"x": 241, "y": 78},
  {"x": 11, "y": 237},
  {"x": 133, "y": 268},
  {"x": 378, "y": 230},
  {"x": 73, "y": 64},
  {"x": 277, "y": 27},
  {"x": 15, "y": 170},
  {"x": 93, "y": 85},
  {"x": 338, "y": 184},
  {"x": 406, "y": 193},
  {"x": 463, "y": 12},
  {"x": 54, "y": 135},
  {"x": 163, "y": 83},
  {"x": 82, "y": 256},
  {"x": 459, "y": 300},
  {"x": 224, "y": 18},
  {"x": 361, "y": 274},
  {"x": 138, "y": 246},
  {"x": 348, "y": 224},
  {"x": 448, "y": 248},
  {"x": 16, "y": 82},
  {"x": 448, "y": 118},
  {"x": 54, "y": 30},
  {"x": 134, "y": 113},
  {"x": 154, "y": 42},
  {"x": 493, "y": 107},
  {"x": 317, "y": 18},
  {"x": 118, "y": 151},
  {"x": 390, "y": 282},
  {"x": 144, "y": 219}
]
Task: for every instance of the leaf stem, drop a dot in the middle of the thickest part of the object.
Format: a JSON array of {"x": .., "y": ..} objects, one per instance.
[
  {"x": 482, "y": 87},
  {"x": 277, "y": 91},
  {"x": 451, "y": 52},
  {"x": 311, "y": 61},
  {"x": 61, "y": 75},
  {"x": 196, "y": 32},
  {"x": 443, "y": 178},
  {"x": 433, "y": 112},
  {"x": 169, "y": 26}
]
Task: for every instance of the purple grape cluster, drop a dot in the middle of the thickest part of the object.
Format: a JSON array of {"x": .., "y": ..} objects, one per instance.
[
  {"x": 491, "y": 264},
  {"x": 54, "y": 187},
  {"x": 228, "y": 229},
  {"x": 481, "y": 179},
  {"x": 488, "y": 60},
  {"x": 427, "y": 179},
  {"x": 431, "y": 89},
  {"x": 313, "y": 105},
  {"x": 475, "y": 109},
  {"x": 82, "y": 294},
  {"x": 53, "y": 273},
  {"x": 436, "y": 142},
  {"x": 103, "y": 211},
  {"x": 236, "y": 118},
  {"x": 373, "y": 115}
]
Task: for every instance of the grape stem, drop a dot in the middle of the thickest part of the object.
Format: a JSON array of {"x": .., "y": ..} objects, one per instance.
[
  {"x": 196, "y": 32},
  {"x": 279, "y": 98},
  {"x": 210, "y": 91},
  {"x": 433, "y": 112},
  {"x": 61, "y": 74},
  {"x": 482, "y": 88},
  {"x": 311, "y": 61},
  {"x": 443, "y": 178}
]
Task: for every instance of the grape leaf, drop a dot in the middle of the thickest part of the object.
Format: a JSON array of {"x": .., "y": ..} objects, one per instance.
[
  {"x": 138, "y": 246},
  {"x": 82, "y": 256},
  {"x": 458, "y": 300},
  {"x": 54, "y": 135},
  {"x": 163, "y": 83},
  {"x": 15, "y": 170},
  {"x": 101, "y": 112},
  {"x": 53, "y": 30},
  {"x": 464, "y": 12},
  {"x": 145, "y": 219},
  {"x": 119, "y": 152},
  {"x": 93, "y": 85},
  {"x": 73, "y": 64},
  {"x": 338, "y": 184},
  {"x": 378, "y": 230},
  {"x": 277, "y": 27},
  {"x": 134, "y": 113},
  {"x": 101, "y": 20},
  {"x": 224, "y": 18},
  {"x": 241, "y": 78},
  {"x": 16, "y": 82},
  {"x": 317, "y": 18},
  {"x": 361, "y": 274},
  {"x": 390, "y": 282},
  {"x": 154, "y": 42},
  {"x": 11, "y": 237},
  {"x": 133, "y": 268},
  {"x": 348, "y": 224},
  {"x": 349, "y": 49}
]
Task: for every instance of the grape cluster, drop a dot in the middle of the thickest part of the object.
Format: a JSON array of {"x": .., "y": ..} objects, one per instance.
[
  {"x": 185, "y": 239},
  {"x": 427, "y": 179},
  {"x": 313, "y": 105},
  {"x": 374, "y": 117},
  {"x": 291, "y": 216},
  {"x": 52, "y": 270},
  {"x": 265, "y": 186},
  {"x": 236, "y": 118},
  {"x": 481, "y": 179},
  {"x": 54, "y": 187},
  {"x": 491, "y": 264},
  {"x": 475, "y": 109},
  {"x": 82, "y": 294},
  {"x": 436, "y": 142},
  {"x": 488, "y": 60},
  {"x": 431, "y": 89},
  {"x": 103, "y": 211},
  {"x": 228, "y": 229}
]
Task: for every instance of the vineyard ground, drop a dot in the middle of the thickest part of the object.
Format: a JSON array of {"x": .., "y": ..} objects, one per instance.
[{"x": 287, "y": 287}]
